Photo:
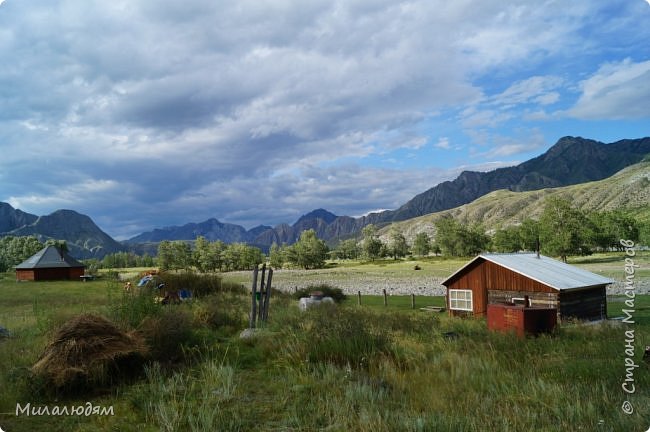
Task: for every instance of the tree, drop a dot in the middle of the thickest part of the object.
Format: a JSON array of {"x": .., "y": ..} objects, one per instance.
[
  {"x": 309, "y": 251},
  {"x": 14, "y": 250},
  {"x": 276, "y": 256},
  {"x": 422, "y": 244},
  {"x": 348, "y": 249},
  {"x": 182, "y": 253},
  {"x": 371, "y": 244},
  {"x": 507, "y": 239},
  {"x": 529, "y": 234},
  {"x": 207, "y": 255},
  {"x": 398, "y": 246},
  {"x": 608, "y": 228},
  {"x": 61, "y": 244},
  {"x": 165, "y": 255},
  {"x": 456, "y": 239},
  {"x": 562, "y": 228}
]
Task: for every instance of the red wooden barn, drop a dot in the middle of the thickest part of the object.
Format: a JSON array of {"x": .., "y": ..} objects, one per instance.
[
  {"x": 508, "y": 278},
  {"x": 50, "y": 263}
]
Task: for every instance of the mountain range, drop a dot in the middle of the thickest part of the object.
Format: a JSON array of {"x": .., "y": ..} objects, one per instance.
[
  {"x": 572, "y": 160},
  {"x": 628, "y": 189},
  {"x": 84, "y": 238}
]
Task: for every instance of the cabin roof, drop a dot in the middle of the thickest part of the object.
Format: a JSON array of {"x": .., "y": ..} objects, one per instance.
[
  {"x": 49, "y": 257},
  {"x": 548, "y": 271}
]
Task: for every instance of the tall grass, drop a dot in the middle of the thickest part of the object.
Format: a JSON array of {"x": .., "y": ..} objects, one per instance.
[{"x": 352, "y": 368}]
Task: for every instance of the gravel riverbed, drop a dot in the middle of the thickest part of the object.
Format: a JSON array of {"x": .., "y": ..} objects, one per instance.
[{"x": 374, "y": 284}]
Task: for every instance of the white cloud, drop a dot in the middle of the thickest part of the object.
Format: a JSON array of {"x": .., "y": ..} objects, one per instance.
[
  {"x": 537, "y": 88},
  {"x": 618, "y": 90},
  {"x": 443, "y": 143},
  {"x": 525, "y": 141},
  {"x": 197, "y": 108}
]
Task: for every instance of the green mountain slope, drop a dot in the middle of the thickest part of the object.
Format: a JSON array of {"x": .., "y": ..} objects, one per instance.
[{"x": 628, "y": 189}]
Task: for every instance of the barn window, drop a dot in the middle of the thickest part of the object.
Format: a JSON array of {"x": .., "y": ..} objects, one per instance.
[{"x": 460, "y": 300}]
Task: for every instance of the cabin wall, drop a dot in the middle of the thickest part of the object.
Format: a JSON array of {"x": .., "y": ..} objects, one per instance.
[
  {"x": 43, "y": 274},
  {"x": 536, "y": 299},
  {"x": 586, "y": 304},
  {"x": 25, "y": 275},
  {"x": 483, "y": 277},
  {"x": 473, "y": 278},
  {"x": 491, "y": 283}
]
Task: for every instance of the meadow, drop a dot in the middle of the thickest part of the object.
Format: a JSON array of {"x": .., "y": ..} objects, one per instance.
[{"x": 348, "y": 368}]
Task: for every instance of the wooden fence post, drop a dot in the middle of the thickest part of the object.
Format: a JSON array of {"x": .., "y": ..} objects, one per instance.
[
  {"x": 385, "y": 299},
  {"x": 359, "y": 298},
  {"x": 251, "y": 322},
  {"x": 268, "y": 294},
  {"x": 412, "y": 301},
  {"x": 260, "y": 312}
]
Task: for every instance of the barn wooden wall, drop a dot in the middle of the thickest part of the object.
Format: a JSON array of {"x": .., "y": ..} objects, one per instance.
[
  {"x": 491, "y": 283},
  {"x": 588, "y": 304},
  {"x": 50, "y": 274}
]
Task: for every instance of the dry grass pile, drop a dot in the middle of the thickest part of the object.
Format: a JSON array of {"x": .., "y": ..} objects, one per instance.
[{"x": 89, "y": 351}]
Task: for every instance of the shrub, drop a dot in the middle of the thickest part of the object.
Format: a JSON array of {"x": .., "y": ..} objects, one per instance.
[
  {"x": 222, "y": 311},
  {"x": 327, "y": 290},
  {"x": 166, "y": 333},
  {"x": 199, "y": 284},
  {"x": 129, "y": 309}
]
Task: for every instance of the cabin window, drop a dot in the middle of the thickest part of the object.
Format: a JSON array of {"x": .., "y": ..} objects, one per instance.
[{"x": 460, "y": 300}]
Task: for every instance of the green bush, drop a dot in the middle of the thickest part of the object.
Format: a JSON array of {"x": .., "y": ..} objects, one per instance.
[
  {"x": 227, "y": 311},
  {"x": 199, "y": 285},
  {"x": 327, "y": 290},
  {"x": 129, "y": 309},
  {"x": 166, "y": 333}
]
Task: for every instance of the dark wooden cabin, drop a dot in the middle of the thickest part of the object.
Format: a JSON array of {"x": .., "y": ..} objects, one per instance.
[
  {"x": 509, "y": 278},
  {"x": 50, "y": 263}
]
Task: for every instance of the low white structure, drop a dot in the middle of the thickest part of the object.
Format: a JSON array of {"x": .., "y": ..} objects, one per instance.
[{"x": 315, "y": 299}]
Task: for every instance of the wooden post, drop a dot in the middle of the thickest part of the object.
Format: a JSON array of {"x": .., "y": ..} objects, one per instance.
[
  {"x": 251, "y": 322},
  {"x": 260, "y": 312},
  {"x": 268, "y": 295},
  {"x": 385, "y": 299},
  {"x": 359, "y": 298},
  {"x": 412, "y": 301}
]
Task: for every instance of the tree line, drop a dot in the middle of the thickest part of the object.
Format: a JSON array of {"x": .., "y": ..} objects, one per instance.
[
  {"x": 14, "y": 250},
  {"x": 561, "y": 230}
]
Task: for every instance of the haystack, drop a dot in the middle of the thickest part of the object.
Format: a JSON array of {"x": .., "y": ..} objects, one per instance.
[{"x": 89, "y": 350}]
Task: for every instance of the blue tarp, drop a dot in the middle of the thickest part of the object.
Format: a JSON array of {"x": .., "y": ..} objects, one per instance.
[{"x": 144, "y": 280}]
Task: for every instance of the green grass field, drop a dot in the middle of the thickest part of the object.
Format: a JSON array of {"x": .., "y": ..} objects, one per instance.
[{"x": 367, "y": 368}]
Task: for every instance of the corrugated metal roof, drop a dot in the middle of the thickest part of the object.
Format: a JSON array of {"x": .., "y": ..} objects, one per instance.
[
  {"x": 548, "y": 271},
  {"x": 49, "y": 257}
]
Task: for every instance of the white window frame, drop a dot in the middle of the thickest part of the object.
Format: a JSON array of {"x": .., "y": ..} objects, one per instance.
[
  {"x": 464, "y": 303},
  {"x": 521, "y": 300}
]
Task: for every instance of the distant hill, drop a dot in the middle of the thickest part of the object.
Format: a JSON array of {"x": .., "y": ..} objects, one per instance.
[
  {"x": 211, "y": 229},
  {"x": 84, "y": 238},
  {"x": 628, "y": 189},
  {"x": 496, "y": 197},
  {"x": 572, "y": 160},
  {"x": 11, "y": 219}
]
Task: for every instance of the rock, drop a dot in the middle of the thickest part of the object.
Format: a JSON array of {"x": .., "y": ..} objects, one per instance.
[{"x": 249, "y": 333}]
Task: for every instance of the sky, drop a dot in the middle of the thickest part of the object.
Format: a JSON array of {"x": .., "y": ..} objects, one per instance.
[{"x": 145, "y": 114}]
